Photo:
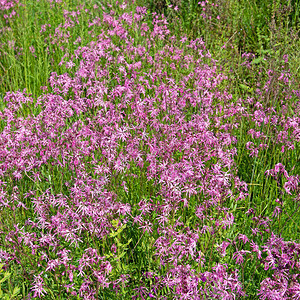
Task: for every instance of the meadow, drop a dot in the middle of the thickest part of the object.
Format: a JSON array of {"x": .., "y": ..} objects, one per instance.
[{"x": 149, "y": 149}]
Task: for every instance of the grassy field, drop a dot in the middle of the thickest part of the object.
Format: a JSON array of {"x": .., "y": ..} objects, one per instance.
[{"x": 149, "y": 149}]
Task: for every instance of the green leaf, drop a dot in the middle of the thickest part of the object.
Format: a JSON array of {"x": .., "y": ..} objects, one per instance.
[
  {"x": 267, "y": 51},
  {"x": 128, "y": 242},
  {"x": 16, "y": 291},
  {"x": 121, "y": 255},
  {"x": 6, "y": 276},
  {"x": 115, "y": 223},
  {"x": 113, "y": 234},
  {"x": 257, "y": 60},
  {"x": 244, "y": 87}
]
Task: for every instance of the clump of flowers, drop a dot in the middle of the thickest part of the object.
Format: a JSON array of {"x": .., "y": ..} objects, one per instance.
[
  {"x": 122, "y": 177},
  {"x": 7, "y": 8}
]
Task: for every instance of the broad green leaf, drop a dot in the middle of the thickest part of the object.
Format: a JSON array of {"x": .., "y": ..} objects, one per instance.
[{"x": 257, "y": 60}]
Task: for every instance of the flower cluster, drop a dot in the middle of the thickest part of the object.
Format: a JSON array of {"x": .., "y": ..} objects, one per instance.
[{"x": 123, "y": 175}]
